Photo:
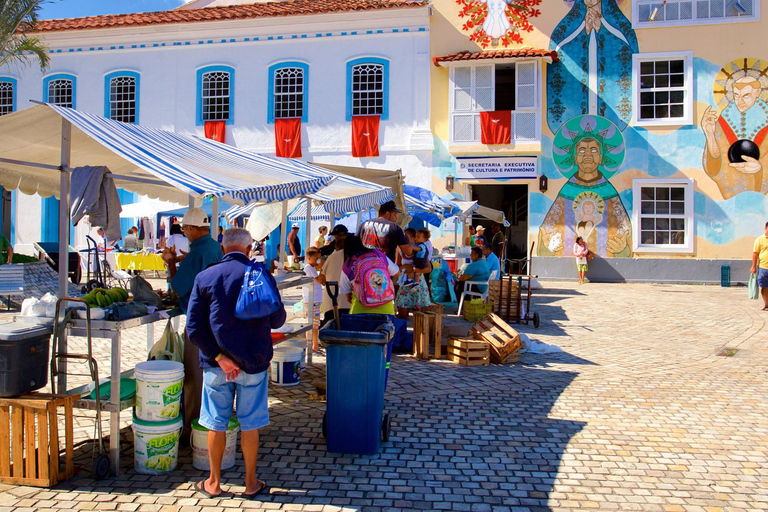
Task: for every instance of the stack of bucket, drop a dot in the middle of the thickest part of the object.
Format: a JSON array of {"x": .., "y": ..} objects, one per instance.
[{"x": 157, "y": 422}]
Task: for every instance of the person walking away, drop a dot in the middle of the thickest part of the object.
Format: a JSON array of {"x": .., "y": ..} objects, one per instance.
[
  {"x": 331, "y": 271},
  {"x": 383, "y": 233},
  {"x": 366, "y": 279},
  {"x": 203, "y": 251},
  {"x": 234, "y": 356},
  {"x": 492, "y": 261},
  {"x": 477, "y": 270},
  {"x": 760, "y": 265},
  {"x": 220, "y": 238},
  {"x": 311, "y": 270},
  {"x": 294, "y": 244},
  {"x": 581, "y": 250}
]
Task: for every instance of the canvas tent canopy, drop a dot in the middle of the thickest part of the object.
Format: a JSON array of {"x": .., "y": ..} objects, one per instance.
[
  {"x": 470, "y": 208},
  {"x": 155, "y": 163}
]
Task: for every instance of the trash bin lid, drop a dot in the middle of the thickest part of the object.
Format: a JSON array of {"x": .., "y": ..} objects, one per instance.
[{"x": 15, "y": 331}]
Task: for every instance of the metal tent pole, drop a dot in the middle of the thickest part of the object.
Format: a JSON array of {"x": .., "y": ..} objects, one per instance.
[
  {"x": 311, "y": 301},
  {"x": 215, "y": 218},
  {"x": 64, "y": 215}
]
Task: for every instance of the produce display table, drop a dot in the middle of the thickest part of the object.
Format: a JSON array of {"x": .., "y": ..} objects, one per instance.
[
  {"x": 139, "y": 261},
  {"x": 111, "y": 330}
]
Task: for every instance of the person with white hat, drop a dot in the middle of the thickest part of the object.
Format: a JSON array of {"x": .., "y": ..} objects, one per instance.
[
  {"x": 294, "y": 244},
  {"x": 480, "y": 236},
  {"x": 203, "y": 251}
]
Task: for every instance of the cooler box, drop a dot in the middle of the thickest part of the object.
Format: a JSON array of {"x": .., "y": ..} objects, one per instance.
[
  {"x": 453, "y": 263},
  {"x": 24, "y": 350},
  {"x": 356, "y": 357}
]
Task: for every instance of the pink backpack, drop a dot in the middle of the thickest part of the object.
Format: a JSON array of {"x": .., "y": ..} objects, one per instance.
[{"x": 373, "y": 284}]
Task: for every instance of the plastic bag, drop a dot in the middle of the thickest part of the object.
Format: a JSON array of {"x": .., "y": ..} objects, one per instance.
[
  {"x": 754, "y": 290},
  {"x": 30, "y": 307},
  {"x": 170, "y": 346},
  {"x": 259, "y": 296},
  {"x": 49, "y": 302},
  {"x": 142, "y": 292}
]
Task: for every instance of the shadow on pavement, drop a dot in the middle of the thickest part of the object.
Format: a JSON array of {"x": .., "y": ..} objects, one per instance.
[{"x": 472, "y": 435}]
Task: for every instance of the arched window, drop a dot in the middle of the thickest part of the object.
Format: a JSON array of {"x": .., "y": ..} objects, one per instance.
[
  {"x": 59, "y": 90},
  {"x": 122, "y": 96},
  {"x": 7, "y": 95},
  {"x": 368, "y": 88},
  {"x": 215, "y": 85},
  {"x": 288, "y": 91}
]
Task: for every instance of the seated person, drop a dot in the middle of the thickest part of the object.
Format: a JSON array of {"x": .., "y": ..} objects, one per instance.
[
  {"x": 492, "y": 260},
  {"x": 477, "y": 270},
  {"x": 131, "y": 241}
]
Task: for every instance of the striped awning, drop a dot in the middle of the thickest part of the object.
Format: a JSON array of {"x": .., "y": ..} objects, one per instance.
[
  {"x": 199, "y": 166},
  {"x": 299, "y": 214}
]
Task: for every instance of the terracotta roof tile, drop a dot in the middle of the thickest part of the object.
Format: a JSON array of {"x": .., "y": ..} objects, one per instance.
[
  {"x": 518, "y": 53},
  {"x": 235, "y": 12}
]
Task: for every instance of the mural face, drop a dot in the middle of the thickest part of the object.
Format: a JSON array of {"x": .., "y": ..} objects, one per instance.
[
  {"x": 736, "y": 152},
  {"x": 593, "y": 75},
  {"x": 588, "y": 150},
  {"x": 497, "y": 22}
]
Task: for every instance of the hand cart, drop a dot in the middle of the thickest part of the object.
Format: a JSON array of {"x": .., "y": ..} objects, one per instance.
[
  {"x": 99, "y": 457},
  {"x": 510, "y": 303}
]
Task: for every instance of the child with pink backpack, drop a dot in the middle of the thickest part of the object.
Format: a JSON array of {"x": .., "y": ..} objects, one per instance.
[{"x": 367, "y": 279}]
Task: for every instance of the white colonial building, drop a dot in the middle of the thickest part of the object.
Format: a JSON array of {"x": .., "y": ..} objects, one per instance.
[{"x": 247, "y": 65}]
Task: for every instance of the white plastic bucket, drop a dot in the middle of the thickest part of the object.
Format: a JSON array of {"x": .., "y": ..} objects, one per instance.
[
  {"x": 158, "y": 390},
  {"x": 156, "y": 445},
  {"x": 300, "y": 345},
  {"x": 286, "y": 366},
  {"x": 200, "y": 446}
]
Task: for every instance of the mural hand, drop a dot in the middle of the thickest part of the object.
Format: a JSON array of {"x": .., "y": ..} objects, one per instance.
[
  {"x": 708, "y": 120},
  {"x": 750, "y": 166},
  {"x": 618, "y": 243}
]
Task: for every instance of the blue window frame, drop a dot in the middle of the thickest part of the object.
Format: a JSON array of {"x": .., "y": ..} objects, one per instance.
[
  {"x": 368, "y": 87},
  {"x": 60, "y": 89},
  {"x": 7, "y": 95},
  {"x": 215, "y": 94},
  {"x": 288, "y": 91},
  {"x": 121, "y": 96}
]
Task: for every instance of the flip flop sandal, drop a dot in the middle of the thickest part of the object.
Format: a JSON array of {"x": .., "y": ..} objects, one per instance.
[
  {"x": 264, "y": 487},
  {"x": 200, "y": 487}
]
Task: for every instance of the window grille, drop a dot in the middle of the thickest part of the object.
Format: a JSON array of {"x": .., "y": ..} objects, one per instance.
[
  {"x": 61, "y": 92},
  {"x": 6, "y": 98},
  {"x": 367, "y": 90},
  {"x": 289, "y": 93},
  {"x": 215, "y": 96},
  {"x": 122, "y": 99}
]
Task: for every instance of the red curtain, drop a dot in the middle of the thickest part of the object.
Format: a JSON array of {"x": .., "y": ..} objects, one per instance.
[
  {"x": 288, "y": 137},
  {"x": 365, "y": 136},
  {"x": 496, "y": 127},
  {"x": 216, "y": 130}
]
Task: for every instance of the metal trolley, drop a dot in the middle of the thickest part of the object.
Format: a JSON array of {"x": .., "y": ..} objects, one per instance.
[{"x": 512, "y": 305}]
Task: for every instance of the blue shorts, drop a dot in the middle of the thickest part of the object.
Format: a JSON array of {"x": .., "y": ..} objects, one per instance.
[
  {"x": 762, "y": 277},
  {"x": 219, "y": 395}
]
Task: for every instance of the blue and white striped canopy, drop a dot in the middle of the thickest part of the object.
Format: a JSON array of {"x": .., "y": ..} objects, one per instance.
[
  {"x": 199, "y": 166},
  {"x": 299, "y": 214}
]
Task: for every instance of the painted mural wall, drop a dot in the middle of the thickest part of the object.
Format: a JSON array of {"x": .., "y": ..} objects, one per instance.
[{"x": 591, "y": 150}]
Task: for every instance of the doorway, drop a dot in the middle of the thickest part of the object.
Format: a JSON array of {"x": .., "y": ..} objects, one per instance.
[{"x": 513, "y": 201}]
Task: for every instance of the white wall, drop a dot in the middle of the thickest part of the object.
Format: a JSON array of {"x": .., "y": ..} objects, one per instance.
[{"x": 168, "y": 83}]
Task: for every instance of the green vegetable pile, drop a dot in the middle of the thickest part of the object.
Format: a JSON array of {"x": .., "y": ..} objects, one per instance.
[{"x": 101, "y": 297}]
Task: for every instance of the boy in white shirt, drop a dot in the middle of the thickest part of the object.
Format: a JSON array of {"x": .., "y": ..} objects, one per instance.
[{"x": 311, "y": 270}]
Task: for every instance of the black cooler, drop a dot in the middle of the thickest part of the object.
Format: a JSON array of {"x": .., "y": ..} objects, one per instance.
[{"x": 24, "y": 351}]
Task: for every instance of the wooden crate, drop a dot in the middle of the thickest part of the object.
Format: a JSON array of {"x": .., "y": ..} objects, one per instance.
[
  {"x": 427, "y": 330},
  {"x": 468, "y": 351},
  {"x": 505, "y": 295},
  {"x": 503, "y": 340},
  {"x": 29, "y": 440}
]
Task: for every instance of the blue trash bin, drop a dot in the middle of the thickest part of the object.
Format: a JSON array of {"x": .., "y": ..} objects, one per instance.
[{"x": 356, "y": 357}]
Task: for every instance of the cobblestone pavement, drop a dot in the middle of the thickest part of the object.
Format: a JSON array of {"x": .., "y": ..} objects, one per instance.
[{"x": 638, "y": 413}]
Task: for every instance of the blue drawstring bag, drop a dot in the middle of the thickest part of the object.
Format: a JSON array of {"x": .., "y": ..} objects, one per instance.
[{"x": 259, "y": 296}]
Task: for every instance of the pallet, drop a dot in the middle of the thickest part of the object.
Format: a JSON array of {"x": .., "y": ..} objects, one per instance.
[
  {"x": 427, "y": 330},
  {"x": 503, "y": 340},
  {"x": 468, "y": 352},
  {"x": 29, "y": 440}
]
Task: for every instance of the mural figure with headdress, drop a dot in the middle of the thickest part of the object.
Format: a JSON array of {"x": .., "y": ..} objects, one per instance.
[
  {"x": 736, "y": 152},
  {"x": 593, "y": 75},
  {"x": 588, "y": 150}
]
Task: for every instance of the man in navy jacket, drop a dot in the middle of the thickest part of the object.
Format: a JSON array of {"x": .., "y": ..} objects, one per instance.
[{"x": 234, "y": 355}]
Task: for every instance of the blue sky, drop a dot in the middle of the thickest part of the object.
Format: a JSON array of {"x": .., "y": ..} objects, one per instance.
[{"x": 52, "y": 9}]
